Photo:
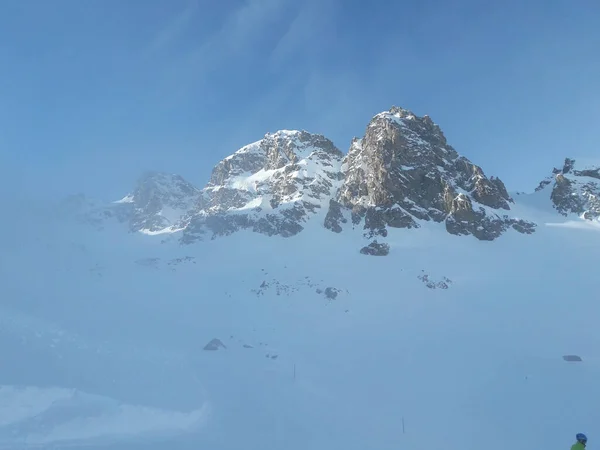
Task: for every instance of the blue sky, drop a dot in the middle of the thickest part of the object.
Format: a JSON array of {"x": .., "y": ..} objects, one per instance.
[{"x": 94, "y": 92}]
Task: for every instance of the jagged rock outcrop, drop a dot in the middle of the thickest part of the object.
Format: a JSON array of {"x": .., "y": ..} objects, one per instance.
[
  {"x": 376, "y": 249},
  {"x": 574, "y": 191},
  {"x": 334, "y": 217},
  {"x": 463, "y": 219},
  {"x": 403, "y": 171}
]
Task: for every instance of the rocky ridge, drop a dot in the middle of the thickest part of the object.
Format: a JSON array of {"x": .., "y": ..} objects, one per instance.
[{"x": 401, "y": 174}]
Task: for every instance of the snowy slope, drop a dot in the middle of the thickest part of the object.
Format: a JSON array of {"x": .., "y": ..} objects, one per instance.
[{"x": 446, "y": 340}]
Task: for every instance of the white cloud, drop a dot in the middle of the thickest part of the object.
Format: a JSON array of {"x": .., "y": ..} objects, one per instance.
[
  {"x": 592, "y": 225},
  {"x": 242, "y": 28},
  {"x": 234, "y": 41}
]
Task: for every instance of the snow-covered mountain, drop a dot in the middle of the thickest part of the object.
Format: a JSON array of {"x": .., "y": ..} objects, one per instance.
[
  {"x": 401, "y": 174},
  {"x": 279, "y": 332},
  {"x": 272, "y": 186}
]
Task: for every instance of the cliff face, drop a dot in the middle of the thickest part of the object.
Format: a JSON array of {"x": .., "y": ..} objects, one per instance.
[{"x": 403, "y": 170}]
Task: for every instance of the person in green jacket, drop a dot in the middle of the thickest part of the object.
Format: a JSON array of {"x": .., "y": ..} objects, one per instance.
[{"x": 581, "y": 442}]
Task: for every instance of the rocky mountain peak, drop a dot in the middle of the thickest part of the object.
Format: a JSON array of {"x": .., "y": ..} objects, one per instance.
[
  {"x": 274, "y": 151},
  {"x": 405, "y": 117},
  {"x": 271, "y": 186},
  {"x": 403, "y": 171},
  {"x": 575, "y": 189}
]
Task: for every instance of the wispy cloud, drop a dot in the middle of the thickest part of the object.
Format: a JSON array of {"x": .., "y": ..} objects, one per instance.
[
  {"x": 291, "y": 29},
  {"x": 296, "y": 44},
  {"x": 590, "y": 225},
  {"x": 237, "y": 37},
  {"x": 246, "y": 24},
  {"x": 173, "y": 30},
  {"x": 234, "y": 41},
  {"x": 311, "y": 31}
]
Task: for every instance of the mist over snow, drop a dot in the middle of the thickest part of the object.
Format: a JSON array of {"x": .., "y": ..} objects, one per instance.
[{"x": 247, "y": 314}]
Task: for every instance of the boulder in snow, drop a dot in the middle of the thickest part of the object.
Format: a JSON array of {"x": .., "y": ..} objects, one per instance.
[
  {"x": 215, "y": 344},
  {"x": 376, "y": 249}
]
